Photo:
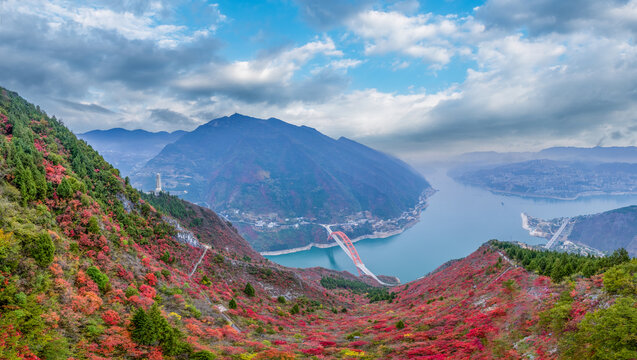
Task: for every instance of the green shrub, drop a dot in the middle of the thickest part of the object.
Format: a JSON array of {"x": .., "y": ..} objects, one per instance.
[
  {"x": 232, "y": 304},
  {"x": 249, "y": 290},
  {"x": 64, "y": 189},
  {"x": 606, "y": 334},
  {"x": 193, "y": 311},
  {"x": 400, "y": 325},
  {"x": 281, "y": 299},
  {"x": 42, "y": 249},
  {"x": 152, "y": 329},
  {"x": 380, "y": 294},
  {"x": 622, "y": 279},
  {"x": 100, "y": 278},
  {"x": 21, "y": 298},
  {"x": 166, "y": 258},
  {"x": 57, "y": 349},
  {"x": 334, "y": 282},
  {"x": 205, "y": 280},
  {"x": 555, "y": 318},
  {"x": 93, "y": 226},
  {"x": 295, "y": 309},
  {"x": 203, "y": 355},
  {"x": 131, "y": 291}
]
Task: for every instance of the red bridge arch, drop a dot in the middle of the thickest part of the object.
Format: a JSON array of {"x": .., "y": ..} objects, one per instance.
[{"x": 350, "y": 246}]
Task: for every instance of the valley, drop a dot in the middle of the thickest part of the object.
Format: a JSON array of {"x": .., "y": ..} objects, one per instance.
[
  {"x": 92, "y": 268},
  {"x": 457, "y": 220},
  {"x": 318, "y": 180}
]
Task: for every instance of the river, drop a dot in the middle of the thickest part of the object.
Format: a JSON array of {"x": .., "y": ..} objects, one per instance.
[{"x": 458, "y": 220}]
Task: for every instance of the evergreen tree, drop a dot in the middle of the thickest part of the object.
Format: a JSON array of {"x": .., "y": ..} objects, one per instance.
[
  {"x": 143, "y": 331},
  {"x": 64, "y": 190},
  {"x": 249, "y": 290}
]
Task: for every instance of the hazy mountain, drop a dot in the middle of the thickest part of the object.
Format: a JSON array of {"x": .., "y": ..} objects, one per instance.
[
  {"x": 555, "y": 179},
  {"x": 608, "y": 231},
  {"x": 270, "y": 173},
  {"x": 128, "y": 149},
  {"x": 598, "y": 154}
]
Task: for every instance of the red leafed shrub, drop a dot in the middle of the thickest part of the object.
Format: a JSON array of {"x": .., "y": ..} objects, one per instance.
[
  {"x": 40, "y": 146},
  {"x": 5, "y": 126},
  {"x": 87, "y": 304},
  {"x": 151, "y": 278},
  {"x": 147, "y": 291},
  {"x": 274, "y": 354},
  {"x": 54, "y": 173},
  {"x": 110, "y": 317},
  {"x": 313, "y": 351}
]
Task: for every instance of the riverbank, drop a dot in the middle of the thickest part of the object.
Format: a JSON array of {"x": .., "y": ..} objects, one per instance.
[
  {"x": 532, "y": 230},
  {"x": 552, "y": 197},
  {"x": 375, "y": 235}
]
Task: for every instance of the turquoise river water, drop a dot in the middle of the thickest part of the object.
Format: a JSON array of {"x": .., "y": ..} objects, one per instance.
[{"x": 458, "y": 220}]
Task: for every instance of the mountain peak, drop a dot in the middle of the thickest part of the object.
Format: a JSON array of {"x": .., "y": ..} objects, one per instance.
[{"x": 273, "y": 169}]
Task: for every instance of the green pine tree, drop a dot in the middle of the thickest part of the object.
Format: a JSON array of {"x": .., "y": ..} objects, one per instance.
[
  {"x": 249, "y": 290},
  {"x": 64, "y": 190}
]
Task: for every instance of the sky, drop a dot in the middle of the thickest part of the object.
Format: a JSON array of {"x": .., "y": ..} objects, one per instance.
[{"x": 413, "y": 78}]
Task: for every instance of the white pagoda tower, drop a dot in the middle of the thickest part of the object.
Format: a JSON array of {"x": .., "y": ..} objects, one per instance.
[{"x": 158, "y": 183}]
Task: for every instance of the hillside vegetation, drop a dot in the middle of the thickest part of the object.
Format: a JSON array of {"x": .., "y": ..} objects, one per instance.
[{"x": 90, "y": 270}]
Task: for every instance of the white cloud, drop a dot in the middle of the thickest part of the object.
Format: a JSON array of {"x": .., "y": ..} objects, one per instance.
[
  {"x": 570, "y": 79},
  {"x": 428, "y": 37},
  {"x": 344, "y": 64},
  {"x": 145, "y": 26},
  {"x": 273, "y": 70}
]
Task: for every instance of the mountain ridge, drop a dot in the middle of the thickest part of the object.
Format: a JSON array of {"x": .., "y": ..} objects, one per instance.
[{"x": 257, "y": 171}]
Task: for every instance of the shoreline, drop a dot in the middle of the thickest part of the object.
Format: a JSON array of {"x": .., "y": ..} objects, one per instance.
[
  {"x": 376, "y": 235},
  {"x": 549, "y": 197},
  {"x": 531, "y": 231}
]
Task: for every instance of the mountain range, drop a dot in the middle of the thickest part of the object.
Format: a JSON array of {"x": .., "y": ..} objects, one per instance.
[
  {"x": 129, "y": 149},
  {"x": 554, "y": 179},
  {"x": 626, "y": 154},
  {"x": 278, "y": 182}
]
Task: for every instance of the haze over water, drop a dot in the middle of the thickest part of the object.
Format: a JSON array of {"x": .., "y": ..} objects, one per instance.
[{"x": 458, "y": 220}]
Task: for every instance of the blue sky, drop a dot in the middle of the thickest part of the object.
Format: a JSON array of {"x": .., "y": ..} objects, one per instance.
[{"x": 414, "y": 78}]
